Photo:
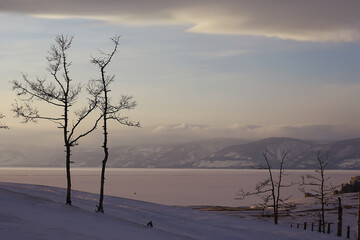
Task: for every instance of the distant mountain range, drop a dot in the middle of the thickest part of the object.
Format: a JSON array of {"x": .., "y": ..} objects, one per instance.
[
  {"x": 215, "y": 153},
  {"x": 302, "y": 154}
]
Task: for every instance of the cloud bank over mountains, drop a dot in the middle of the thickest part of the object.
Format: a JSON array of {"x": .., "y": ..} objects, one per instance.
[
  {"x": 189, "y": 132},
  {"x": 317, "y": 20}
]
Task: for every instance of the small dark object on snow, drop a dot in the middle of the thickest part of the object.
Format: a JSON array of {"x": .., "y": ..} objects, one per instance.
[
  {"x": 149, "y": 224},
  {"x": 307, "y": 195}
]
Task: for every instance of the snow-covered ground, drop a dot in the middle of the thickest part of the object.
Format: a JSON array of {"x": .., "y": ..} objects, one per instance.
[
  {"x": 301, "y": 211},
  {"x": 39, "y": 212}
]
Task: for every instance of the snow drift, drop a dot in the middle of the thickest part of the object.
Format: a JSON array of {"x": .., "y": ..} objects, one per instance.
[{"x": 39, "y": 212}]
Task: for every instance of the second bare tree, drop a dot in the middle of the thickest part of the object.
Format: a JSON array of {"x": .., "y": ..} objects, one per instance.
[{"x": 108, "y": 110}]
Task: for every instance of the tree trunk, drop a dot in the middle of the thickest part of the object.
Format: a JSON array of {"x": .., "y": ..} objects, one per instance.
[
  {"x": 339, "y": 226},
  {"x": 322, "y": 198},
  {"x": 66, "y": 137},
  {"x": 102, "y": 182},
  {"x": 68, "y": 149},
  {"x": 68, "y": 176},
  {"x": 323, "y": 216},
  {"x": 358, "y": 220},
  {"x": 105, "y": 147},
  {"x": 276, "y": 215}
]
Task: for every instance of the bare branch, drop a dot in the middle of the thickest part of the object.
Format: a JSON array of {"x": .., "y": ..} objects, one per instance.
[
  {"x": 103, "y": 61},
  {"x": 31, "y": 114},
  {"x": 2, "y": 126},
  {"x": 73, "y": 142},
  {"x": 81, "y": 116},
  {"x": 38, "y": 90}
]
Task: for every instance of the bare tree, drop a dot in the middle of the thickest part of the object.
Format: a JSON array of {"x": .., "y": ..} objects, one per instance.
[
  {"x": 109, "y": 111},
  {"x": 59, "y": 93},
  {"x": 319, "y": 188},
  {"x": 270, "y": 188}
]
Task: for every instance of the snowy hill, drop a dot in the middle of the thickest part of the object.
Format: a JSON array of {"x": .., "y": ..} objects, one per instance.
[
  {"x": 214, "y": 153},
  {"x": 251, "y": 155},
  {"x": 38, "y": 212},
  {"x": 182, "y": 155},
  {"x": 302, "y": 154}
]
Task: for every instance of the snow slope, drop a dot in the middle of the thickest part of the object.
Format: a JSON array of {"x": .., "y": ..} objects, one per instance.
[{"x": 39, "y": 212}]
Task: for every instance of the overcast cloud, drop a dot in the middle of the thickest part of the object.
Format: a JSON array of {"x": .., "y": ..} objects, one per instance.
[
  {"x": 316, "y": 20},
  {"x": 198, "y": 69}
]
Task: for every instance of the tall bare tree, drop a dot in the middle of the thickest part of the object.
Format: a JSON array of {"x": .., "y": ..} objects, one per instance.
[
  {"x": 109, "y": 111},
  {"x": 319, "y": 187},
  {"x": 270, "y": 188},
  {"x": 60, "y": 93}
]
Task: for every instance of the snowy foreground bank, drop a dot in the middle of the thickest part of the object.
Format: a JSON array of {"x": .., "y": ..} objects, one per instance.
[{"x": 39, "y": 212}]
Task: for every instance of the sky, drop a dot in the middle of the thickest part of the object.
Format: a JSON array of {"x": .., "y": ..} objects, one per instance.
[{"x": 198, "y": 69}]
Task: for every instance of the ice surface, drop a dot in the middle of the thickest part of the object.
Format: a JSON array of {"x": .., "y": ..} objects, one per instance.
[{"x": 169, "y": 186}]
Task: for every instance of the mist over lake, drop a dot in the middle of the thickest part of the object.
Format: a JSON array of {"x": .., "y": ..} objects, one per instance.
[{"x": 181, "y": 187}]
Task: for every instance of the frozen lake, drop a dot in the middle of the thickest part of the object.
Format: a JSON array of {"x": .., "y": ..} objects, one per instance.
[{"x": 167, "y": 186}]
